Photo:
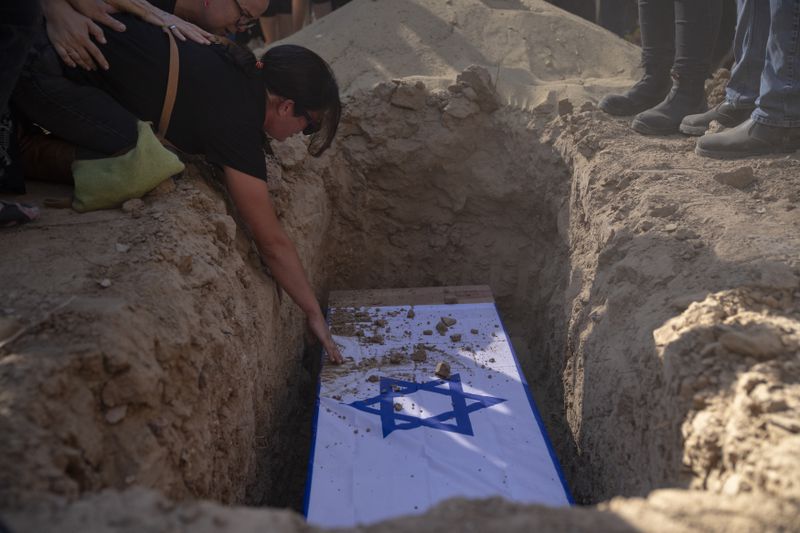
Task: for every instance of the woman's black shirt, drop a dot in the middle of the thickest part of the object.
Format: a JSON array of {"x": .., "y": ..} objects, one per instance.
[{"x": 219, "y": 109}]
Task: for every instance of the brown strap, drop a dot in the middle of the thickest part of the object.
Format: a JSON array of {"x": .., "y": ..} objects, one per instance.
[{"x": 172, "y": 86}]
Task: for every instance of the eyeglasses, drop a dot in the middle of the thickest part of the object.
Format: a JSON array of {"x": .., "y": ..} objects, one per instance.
[
  {"x": 245, "y": 20},
  {"x": 313, "y": 126}
]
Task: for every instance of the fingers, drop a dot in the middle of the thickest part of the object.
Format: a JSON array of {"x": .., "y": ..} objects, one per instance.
[
  {"x": 62, "y": 53},
  {"x": 83, "y": 58},
  {"x": 97, "y": 55},
  {"x": 97, "y": 33},
  {"x": 178, "y": 34},
  {"x": 111, "y": 22},
  {"x": 334, "y": 355}
]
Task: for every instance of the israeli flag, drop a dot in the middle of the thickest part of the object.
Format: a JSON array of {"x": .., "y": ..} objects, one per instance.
[{"x": 431, "y": 404}]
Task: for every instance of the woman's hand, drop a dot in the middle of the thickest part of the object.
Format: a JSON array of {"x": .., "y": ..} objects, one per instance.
[
  {"x": 149, "y": 13},
  {"x": 320, "y": 329},
  {"x": 71, "y": 34},
  {"x": 99, "y": 11}
]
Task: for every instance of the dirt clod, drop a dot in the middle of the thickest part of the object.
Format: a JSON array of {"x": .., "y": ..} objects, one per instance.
[
  {"x": 739, "y": 178},
  {"x": 442, "y": 370}
]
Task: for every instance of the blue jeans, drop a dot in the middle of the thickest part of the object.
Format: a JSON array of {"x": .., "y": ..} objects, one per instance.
[{"x": 767, "y": 68}]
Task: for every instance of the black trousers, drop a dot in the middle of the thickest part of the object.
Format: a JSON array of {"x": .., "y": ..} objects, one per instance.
[
  {"x": 82, "y": 115},
  {"x": 680, "y": 35},
  {"x": 18, "y": 21}
]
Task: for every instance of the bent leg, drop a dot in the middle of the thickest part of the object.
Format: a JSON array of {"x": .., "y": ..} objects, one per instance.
[{"x": 80, "y": 114}]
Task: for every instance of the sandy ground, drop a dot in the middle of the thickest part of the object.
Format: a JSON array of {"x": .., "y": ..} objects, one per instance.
[{"x": 653, "y": 296}]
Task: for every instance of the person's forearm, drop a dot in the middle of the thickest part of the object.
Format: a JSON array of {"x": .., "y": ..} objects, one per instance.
[{"x": 284, "y": 263}]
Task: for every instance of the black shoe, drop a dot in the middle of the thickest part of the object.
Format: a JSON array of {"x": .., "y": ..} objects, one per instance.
[
  {"x": 647, "y": 92},
  {"x": 726, "y": 114},
  {"x": 747, "y": 139},
  {"x": 687, "y": 97}
]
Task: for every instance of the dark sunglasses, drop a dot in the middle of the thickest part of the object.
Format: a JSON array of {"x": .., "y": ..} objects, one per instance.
[
  {"x": 245, "y": 20},
  {"x": 313, "y": 126}
]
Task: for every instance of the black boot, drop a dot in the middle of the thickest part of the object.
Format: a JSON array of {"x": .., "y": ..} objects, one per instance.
[
  {"x": 726, "y": 114},
  {"x": 647, "y": 92},
  {"x": 687, "y": 97},
  {"x": 747, "y": 139}
]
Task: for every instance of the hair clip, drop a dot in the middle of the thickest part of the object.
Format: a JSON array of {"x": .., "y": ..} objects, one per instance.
[{"x": 259, "y": 64}]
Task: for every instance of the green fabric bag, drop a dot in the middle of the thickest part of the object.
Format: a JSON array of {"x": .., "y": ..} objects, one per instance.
[{"x": 107, "y": 183}]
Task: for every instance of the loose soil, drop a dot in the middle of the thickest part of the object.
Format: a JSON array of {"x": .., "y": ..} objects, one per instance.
[{"x": 653, "y": 302}]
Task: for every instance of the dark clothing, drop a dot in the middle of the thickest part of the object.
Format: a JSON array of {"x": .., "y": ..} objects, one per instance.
[
  {"x": 18, "y": 22},
  {"x": 165, "y": 5},
  {"x": 219, "y": 109},
  {"x": 679, "y": 34},
  {"x": 278, "y": 7}
]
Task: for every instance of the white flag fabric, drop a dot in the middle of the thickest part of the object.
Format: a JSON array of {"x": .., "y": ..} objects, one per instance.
[{"x": 392, "y": 438}]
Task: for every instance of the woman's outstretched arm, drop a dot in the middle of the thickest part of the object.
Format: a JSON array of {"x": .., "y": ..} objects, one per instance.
[{"x": 251, "y": 197}]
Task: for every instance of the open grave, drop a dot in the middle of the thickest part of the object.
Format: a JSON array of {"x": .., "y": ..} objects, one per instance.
[{"x": 654, "y": 309}]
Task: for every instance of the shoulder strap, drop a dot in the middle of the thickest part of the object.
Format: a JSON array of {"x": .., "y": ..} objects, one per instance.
[{"x": 172, "y": 86}]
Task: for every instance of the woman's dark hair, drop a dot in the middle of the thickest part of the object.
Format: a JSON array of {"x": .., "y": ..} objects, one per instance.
[{"x": 297, "y": 73}]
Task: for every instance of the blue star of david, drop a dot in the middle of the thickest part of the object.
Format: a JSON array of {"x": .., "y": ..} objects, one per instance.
[{"x": 391, "y": 420}]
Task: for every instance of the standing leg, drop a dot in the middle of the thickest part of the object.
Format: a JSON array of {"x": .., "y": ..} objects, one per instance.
[
  {"x": 749, "y": 52},
  {"x": 774, "y": 126},
  {"x": 657, "y": 25},
  {"x": 299, "y": 14},
  {"x": 321, "y": 8},
  {"x": 696, "y": 28}
]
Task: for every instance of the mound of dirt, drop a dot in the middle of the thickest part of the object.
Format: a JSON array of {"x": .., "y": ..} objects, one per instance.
[{"x": 529, "y": 46}]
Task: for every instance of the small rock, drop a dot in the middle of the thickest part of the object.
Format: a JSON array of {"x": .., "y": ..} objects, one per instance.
[
  {"x": 669, "y": 228},
  {"x": 662, "y": 210},
  {"x": 122, "y": 248},
  {"x": 409, "y": 95},
  {"x": 448, "y": 321},
  {"x": 461, "y": 108},
  {"x": 116, "y": 414},
  {"x": 427, "y": 332},
  {"x": 441, "y": 328},
  {"x": 715, "y": 127},
  {"x": 131, "y": 206},
  {"x": 738, "y": 178},
  {"x": 398, "y": 407},
  {"x": 185, "y": 264},
  {"x": 376, "y": 339},
  {"x": 443, "y": 370},
  {"x": 419, "y": 355},
  {"x": 396, "y": 358},
  {"x": 587, "y": 106},
  {"x": 373, "y": 378},
  {"x": 474, "y": 331},
  {"x": 760, "y": 344},
  {"x": 381, "y": 323},
  {"x": 105, "y": 283},
  {"x": 456, "y": 337},
  {"x": 411, "y": 313},
  {"x": 565, "y": 107},
  {"x": 684, "y": 234},
  {"x": 165, "y": 187}
]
